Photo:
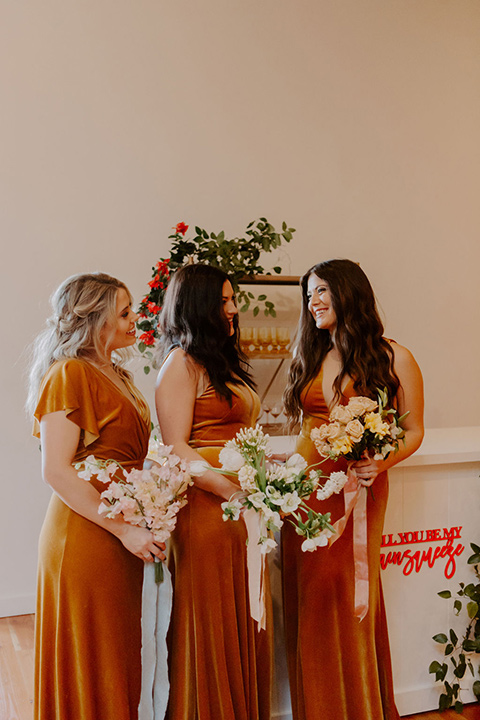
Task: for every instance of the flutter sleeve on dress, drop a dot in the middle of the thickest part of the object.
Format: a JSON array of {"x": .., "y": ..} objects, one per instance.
[{"x": 67, "y": 386}]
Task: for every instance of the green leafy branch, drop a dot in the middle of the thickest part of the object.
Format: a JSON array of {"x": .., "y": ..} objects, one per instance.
[
  {"x": 462, "y": 652},
  {"x": 238, "y": 256}
]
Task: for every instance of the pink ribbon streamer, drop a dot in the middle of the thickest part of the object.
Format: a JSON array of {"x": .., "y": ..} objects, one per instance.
[
  {"x": 355, "y": 497},
  {"x": 256, "y": 568}
]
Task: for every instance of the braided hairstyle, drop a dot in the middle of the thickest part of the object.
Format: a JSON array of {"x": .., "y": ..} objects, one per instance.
[{"x": 82, "y": 307}]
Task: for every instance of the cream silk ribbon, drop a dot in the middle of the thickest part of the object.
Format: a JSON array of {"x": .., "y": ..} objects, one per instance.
[
  {"x": 355, "y": 497},
  {"x": 156, "y": 609},
  {"x": 256, "y": 562}
]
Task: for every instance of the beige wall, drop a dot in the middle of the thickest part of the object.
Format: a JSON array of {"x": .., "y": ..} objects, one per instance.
[{"x": 357, "y": 122}]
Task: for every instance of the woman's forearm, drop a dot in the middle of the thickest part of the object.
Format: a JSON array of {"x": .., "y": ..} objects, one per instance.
[
  {"x": 210, "y": 480},
  {"x": 81, "y": 497}
]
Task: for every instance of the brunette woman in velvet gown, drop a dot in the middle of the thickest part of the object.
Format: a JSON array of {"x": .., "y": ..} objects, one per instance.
[
  {"x": 339, "y": 666},
  {"x": 220, "y": 663},
  {"x": 88, "y": 620}
]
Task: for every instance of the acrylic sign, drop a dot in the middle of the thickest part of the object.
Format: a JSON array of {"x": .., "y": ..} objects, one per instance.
[{"x": 413, "y": 560}]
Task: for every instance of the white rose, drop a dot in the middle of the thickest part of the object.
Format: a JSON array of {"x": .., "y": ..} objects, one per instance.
[
  {"x": 296, "y": 462},
  {"x": 231, "y": 459}
]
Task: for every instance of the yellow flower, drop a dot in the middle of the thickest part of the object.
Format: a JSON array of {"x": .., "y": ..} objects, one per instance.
[
  {"x": 375, "y": 424},
  {"x": 342, "y": 445}
]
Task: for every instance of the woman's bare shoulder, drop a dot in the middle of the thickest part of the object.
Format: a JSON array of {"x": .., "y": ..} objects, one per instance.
[
  {"x": 403, "y": 356},
  {"x": 179, "y": 365}
]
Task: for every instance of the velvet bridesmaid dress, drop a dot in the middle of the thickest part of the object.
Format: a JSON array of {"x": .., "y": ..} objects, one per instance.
[
  {"x": 88, "y": 619},
  {"x": 339, "y": 668},
  {"x": 220, "y": 665}
]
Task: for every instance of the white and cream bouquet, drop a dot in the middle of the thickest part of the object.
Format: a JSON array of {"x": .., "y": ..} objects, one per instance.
[
  {"x": 150, "y": 498},
  {"x": 362, "y": 426},
  {"x": 276, "y": 491}
]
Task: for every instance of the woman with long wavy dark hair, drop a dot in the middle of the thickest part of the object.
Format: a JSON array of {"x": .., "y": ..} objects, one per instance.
[
  {"x": 339, "y": 666},
  {"x": 219, "y": 662}
]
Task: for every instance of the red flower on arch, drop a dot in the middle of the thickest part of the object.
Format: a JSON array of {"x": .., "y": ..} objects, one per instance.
[{"x": 181, "y": 228}]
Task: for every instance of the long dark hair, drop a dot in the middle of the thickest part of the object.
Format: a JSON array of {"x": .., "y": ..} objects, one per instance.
[
  {"x": 192, "y": 318},
  {"x": 366, "y": 356}
]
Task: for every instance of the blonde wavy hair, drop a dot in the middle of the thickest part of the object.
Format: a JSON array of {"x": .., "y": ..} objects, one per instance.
[{"x": 82, "y": 307}]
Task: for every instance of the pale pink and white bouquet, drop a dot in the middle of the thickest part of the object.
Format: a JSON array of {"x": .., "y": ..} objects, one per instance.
[
  {"x": 150, "y": 498},
  {"x": 276, "y": 490},
  {"x": 362, "y": 426}
]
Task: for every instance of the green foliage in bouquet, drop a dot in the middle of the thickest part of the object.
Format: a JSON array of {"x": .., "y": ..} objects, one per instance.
[
  {"x": 238, "y": 257},
  {"x": 462, "y": 652}
]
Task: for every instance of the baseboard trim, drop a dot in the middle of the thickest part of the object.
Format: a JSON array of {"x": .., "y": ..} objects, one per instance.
[
  {"x": 17, "y": 605},
  {"x": 423, "y": 699}
]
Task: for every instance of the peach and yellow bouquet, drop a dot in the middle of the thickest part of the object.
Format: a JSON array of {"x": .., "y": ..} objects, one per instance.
[
  {"x": 362, "y": 426},
  {"x": 150, "y": 498}
]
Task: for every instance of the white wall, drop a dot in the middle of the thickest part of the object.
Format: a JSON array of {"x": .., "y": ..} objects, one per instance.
[{"x": 357, "y": 122}]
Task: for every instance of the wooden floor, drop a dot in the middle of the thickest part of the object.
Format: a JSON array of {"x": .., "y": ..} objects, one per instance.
[
  {"x": 16, "y": 668},
  {"x": 16, "y": 675}
]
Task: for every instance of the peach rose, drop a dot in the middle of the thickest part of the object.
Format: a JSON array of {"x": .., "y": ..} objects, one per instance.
[
  {"x": 323, "y": 448},
  {"x": 320, "y": 433},
  {"x": 354, "y": 430},
  {"x": 342, "y": 413},
  {"x": 333, "y": 430},
  {"x": 360, "y": 405}
]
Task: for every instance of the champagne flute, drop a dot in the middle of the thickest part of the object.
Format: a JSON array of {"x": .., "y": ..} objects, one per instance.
[
  {"x": 264, "y": 337},
  {"x": 276, "y": 410},
  {"x": 266, "y": 407},
  {"x": 246, "y": 338},
  {"x": 283, "y": 338}
]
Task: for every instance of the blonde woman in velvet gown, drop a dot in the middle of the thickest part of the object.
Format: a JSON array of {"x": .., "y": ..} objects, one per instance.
[
  {"x": 220, "y": 664},
  {"x": 339, "y": 666},
  {"x": 88, "y": 620}
]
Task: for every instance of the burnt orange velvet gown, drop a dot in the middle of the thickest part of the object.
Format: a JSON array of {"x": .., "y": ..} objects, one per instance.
[
  {"x": 220, "y": 665},
  {"x": 88, "y": 621},
  {"x": 339, "y": 667}
]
